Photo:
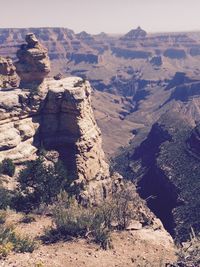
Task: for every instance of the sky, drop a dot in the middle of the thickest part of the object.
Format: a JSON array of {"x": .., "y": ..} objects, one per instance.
[{"x": 110, "y": 16}]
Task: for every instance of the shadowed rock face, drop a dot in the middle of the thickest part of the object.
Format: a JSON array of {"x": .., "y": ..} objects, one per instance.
[
  {"x": 166, "y": 168},
  {"x": 33, "y": 65},
  {"x": 8, "y": 76},
  {"x": 175, "y": 53}
]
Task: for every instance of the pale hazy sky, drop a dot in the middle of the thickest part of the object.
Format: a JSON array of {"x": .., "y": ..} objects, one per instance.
[{"x": 94, "y": 16}]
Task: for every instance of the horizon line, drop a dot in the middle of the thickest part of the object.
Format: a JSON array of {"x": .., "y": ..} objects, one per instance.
[{"x": 109, "y": 33}]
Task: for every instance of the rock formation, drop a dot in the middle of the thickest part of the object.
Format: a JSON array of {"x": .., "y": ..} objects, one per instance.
[
  {"x": 61, "y": 118},
  {"x": 67, "y": 115},
  {"x": 33, "y": 65},
  {"x": 8, "y": 76},
  {"x": 57, "y": 117}
]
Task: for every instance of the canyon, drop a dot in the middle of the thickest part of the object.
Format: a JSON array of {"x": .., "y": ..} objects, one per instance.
[
  {"x": 54, "y": 115},
  {"x": 143, "y": 92}
]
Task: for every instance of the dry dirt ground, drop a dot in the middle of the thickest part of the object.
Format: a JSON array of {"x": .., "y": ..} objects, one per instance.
[{"x": 139, "y": 248}]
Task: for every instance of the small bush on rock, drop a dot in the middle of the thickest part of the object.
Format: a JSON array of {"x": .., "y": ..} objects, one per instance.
[
  {"x": 40, "y": 183},
  {"x": 7, "y": 167}
]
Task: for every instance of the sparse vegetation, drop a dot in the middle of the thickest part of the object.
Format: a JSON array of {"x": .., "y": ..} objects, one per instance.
[
  {"x": 10, "y": 241},
  {"x": 5, "y": 197},
  {"x": 40, "y": 183},
  {"x": 73, "y": 220},
  {"x": 189, "y": 252}
]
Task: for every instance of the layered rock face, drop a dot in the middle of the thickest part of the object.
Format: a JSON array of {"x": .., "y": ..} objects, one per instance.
[
  {"x": 33, "y": 65},
  {"x": 8, "y": 76},
  {"x": 67, "y": 124},
  {"x": 60, "y": 118}
]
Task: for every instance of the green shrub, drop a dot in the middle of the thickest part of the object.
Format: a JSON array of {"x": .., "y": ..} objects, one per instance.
[
  {"x": 73, "y": 220},
  {"x": 40, "y": 183},
  {"x": 102, "y": 237},
  {"x": 10, "y": 241},
  {"x": 123, "y": 206},
  {"x": 24, "y": 244},
  {"x": 5, "y": 198},
  {"x": 7, "y": 167}
]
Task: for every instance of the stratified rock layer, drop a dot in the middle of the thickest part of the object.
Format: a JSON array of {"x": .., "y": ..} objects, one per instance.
[
  {"x": 33, "y": 65},
  {"x": 8, "y": 76},
  {"x": 59, "y": 117}
]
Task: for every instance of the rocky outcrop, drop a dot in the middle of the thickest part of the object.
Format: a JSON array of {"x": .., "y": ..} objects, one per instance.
[
  {"x": 33, "y": 65},
  {"x": 68, "y": 125},
  {"x": 8, "y": 76},
  {"x": 60, "y": 117}
]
